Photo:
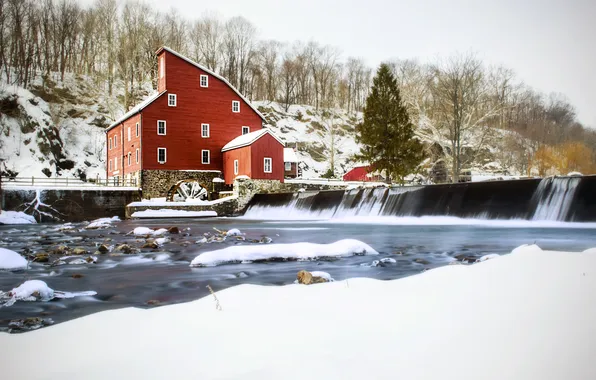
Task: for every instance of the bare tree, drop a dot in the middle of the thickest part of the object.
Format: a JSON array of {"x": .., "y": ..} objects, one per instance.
[{"x": 206, "y": 40}]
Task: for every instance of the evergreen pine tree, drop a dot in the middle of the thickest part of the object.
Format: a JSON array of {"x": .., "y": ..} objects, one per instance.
[{"x": 386, "y": 133}]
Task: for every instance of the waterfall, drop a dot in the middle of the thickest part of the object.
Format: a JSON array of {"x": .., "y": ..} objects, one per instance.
[{"x": 553, "y": 198}]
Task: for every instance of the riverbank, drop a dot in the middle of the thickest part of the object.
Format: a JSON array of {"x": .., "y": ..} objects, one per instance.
[{"x": 525, "y": 315}]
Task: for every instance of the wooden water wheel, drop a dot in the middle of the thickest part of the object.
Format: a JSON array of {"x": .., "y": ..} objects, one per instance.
[{"x": 187, "y": 189}]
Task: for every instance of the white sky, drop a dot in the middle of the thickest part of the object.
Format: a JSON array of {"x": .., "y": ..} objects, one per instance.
[{"x": 551, "y": 44}]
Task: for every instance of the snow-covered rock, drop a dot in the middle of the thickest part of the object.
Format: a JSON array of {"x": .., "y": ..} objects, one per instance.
[
  {"x": 36, "y": 290},
  {"x": 10, "y": 260},
  {"x": 16, "y": 217},
  {"x": 293, "y": 251},
  {"x": 102, "y": 223},
  {"x": 144, "y": 231},
  {"x": 234, "y": 232}
]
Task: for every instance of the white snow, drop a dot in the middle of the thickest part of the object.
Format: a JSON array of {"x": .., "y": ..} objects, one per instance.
[
  {"x": 143, "y": 231},
  {"x": 25, "y": 291},
  {"x": 137, "y": 108},
  {"x": 527, "y": 315},
  {"x": 325, "y": 275},
  {"x": 296, "y": 251},
  {"x": 162, "y": 241},
  {"x": 168, "y": 213},
  {"x": 489, "y": 257},
  {"x": 161, "y": 202},
  {"x": 10, "y": 260},
  {"x": 102, "y": 223},
  {"x": 16, "y": 217},
  {"x": 249, "y": 138},
  {"x": 290, "y": 155},
  {"x": 218, "y": 180},
  {"x": 234, "y": 232}
]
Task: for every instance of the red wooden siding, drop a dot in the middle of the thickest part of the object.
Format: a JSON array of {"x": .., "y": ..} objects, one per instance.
[
  {"x": 115, "y": 152},
  {"x": 243, "y": 155},
  {"x": 195, "y": 105},
  {"x": 124, "y": 147},
  {"x": 267, "y": 146}
]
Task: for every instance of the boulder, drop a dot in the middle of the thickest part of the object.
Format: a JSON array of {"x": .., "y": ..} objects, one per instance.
[
  {"x": 421, "y": 261},
  {"x": 150, "y": 245},
  {"x": 61, "y": 250},
  {"x": 306, "y": 278},
  {"x": 79, "y": 251},
  {"x": 41, "y": 257},
  {"x": 125, "y": 248},
  {"x": 173, "y": 230},
  {"x": 103, "y": 249}
]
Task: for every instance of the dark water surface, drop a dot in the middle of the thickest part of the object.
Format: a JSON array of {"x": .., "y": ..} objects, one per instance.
[{"x": 163, "y": 276}]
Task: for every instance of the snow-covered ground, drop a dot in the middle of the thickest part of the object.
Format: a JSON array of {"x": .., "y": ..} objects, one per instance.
[
  {"x": 16, "y": 217},
  {"x": 527, "y": 315},
  {"x": 167, "y": 213}
]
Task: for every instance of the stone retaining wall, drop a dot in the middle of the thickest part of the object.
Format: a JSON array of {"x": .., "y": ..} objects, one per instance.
[{"x": 156, "y": 183}]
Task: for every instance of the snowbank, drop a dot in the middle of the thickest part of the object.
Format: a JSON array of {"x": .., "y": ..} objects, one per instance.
[
  {"x": 102, "y": 223},
  {"x": 527, "y": 315},
  {"x": 294, "y": 251},
  {"x": 10, "y": 260},
  {"x": 166, "y": 213},
  {"x": 148, "y": 231},
  {"x": 16, "y": 217}
]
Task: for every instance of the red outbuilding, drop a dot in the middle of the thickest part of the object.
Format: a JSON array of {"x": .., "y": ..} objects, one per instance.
[
  {"x": 363, "y": 174},
  {"x": 185, "y": 125}
]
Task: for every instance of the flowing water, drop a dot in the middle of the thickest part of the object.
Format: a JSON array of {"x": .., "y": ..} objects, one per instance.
[{"x": 160, "y": 277}]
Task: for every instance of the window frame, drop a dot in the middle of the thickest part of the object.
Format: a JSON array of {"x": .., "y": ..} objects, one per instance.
[
  {"x": 165, "y": 155},
  {"x": 265, "y": 159},
  {"x": 162, "y": 66},
  {"x": 137, "y": 131},
  {"x": 235, "y": 102},
  {"x": 115, "y": 141},
  {"x": 129, "y": 133},
  {"x": 110, "y": 165},
  {"x": 247, "y": 128},
  {"x": 165, "y": 130},
  {"x": 137, "y": 154},
  {"x": 203, "y": 156},
  {"x": 203, "y": 130},
  {"x": 170, "y": 98},
  {"x": 236, "y": 166},
  {"x": 110, "y": 144},
  {"x": 129, "y": 159},
  {"x": 116, "y": 163},
  {"x": 206, "y": 77},
  {"x": 287, "y": 166}
]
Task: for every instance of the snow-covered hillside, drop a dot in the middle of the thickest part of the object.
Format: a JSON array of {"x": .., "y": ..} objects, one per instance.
[{"x": 56, "y": 128}]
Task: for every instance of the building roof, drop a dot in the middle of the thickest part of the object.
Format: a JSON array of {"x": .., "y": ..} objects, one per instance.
[
  {"x": 138, "y": 108},
  {"x": 248, "y": 139},
  {"x": 290, "y": 155},
  {"x": 210, "y": 73}
]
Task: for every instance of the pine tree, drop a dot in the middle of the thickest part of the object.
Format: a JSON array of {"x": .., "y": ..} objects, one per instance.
[{"x": 386, "y": 133}]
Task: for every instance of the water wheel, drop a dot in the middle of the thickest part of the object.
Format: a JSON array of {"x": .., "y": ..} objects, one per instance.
[{"x": 187, "y": 189}]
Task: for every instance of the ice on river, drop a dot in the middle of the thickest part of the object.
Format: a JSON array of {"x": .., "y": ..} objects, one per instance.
[{"x": 293, "y": 251}]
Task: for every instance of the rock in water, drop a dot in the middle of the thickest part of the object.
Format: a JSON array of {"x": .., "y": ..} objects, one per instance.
[
  {"x": 79, "y": 251},
  {"x": 173, "y": 230},
  {"x": 103, "y": 249},
  {"x": 150, "y": 245},
  {"x": 306, "y": 278},
  {"x": 61, "y": 250},
  {"x": 125, "y": 248}
]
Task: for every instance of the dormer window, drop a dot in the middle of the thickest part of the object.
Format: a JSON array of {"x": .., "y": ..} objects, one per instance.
[
  {"x": 245, "y": 130},
  {"x": 172, "y": 100},
  {"x": 204, "y": 81},
  {"x": 235, "y": 106}
]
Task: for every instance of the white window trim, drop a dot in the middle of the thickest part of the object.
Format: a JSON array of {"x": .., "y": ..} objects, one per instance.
[
  {"x": 165, "y": 129},
  {"x": 110, "y": 144},
  {"x": 288, "y": 166},
  {"x": 206, "y": 77},
  {"x": 236, "y": 164},
  {"x": 129, "y": 134},
  {"x": 265, "y": 165},
  {"x": 116, "y": 163},
  {"x": 137, "y": 130},
  {"x": 110, "y": 166},
  {"x": 234, "y": 102},
  {"x": 115, "y": 141},
  {"x": 247, "y": 128},
  {"x": 208, "y": 156},
  {"x": 137, "y": 153},
  {"x": 162, "y": 66},
  {"x": 172, "y": 97},
  {"x": 165, "y": 155},
  {"x": 208, "y": 130}
]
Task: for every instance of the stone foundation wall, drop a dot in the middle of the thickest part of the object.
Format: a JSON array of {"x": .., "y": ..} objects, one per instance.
[
  {"x": 156, "y": 183},
  {"x": 245, "y": 189}
]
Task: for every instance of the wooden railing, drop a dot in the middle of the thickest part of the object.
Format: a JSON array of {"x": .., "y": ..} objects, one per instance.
[{"x": 66, "y": 182}]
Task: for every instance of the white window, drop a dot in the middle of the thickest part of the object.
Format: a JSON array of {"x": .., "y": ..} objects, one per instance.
[
  {"x": 161, "y": 127},
  {"x": 115, "y": 141},
  {"x": 129, "y": 156},
  {"x": 110, "y": 144},
  {"x": 110, "y": 165},
  {"x": 162, "y": 66},
  {"x": 161, "y": 155},
  {"x": 245, "y": 130},
  {"x": 235, "y": 106},
  {"x": 204, "y": 130},
  {"x": 235, "y": 167},
  {"x": 172, "y": 100},
  {"x": 267, "y": 165},
  {"x": 204, "y": 81},
  {"x": 205, "y": 156},
  {"x": 137, "y": 155},
  {"x": 137, "y": 128},
  {"x": 116, "y": 163},
  {"x": 288, "y": 166},
  {"x": 128, "y": 133}
]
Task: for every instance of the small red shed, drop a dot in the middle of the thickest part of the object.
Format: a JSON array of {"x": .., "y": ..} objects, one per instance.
[
  {"x": 363, "y": 174},
  {"x": 258, "y": 155}
]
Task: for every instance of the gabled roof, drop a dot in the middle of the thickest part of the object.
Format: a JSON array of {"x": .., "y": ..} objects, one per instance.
[
  {"x": 138, "y": 108},
  {"x": 212, "y": 74},
  {"x": 290, "y": 155},
  {"x": 248, "y": 139}
]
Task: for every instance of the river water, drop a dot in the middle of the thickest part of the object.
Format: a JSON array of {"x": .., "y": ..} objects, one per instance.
[{"x": 158, "y": 277}]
